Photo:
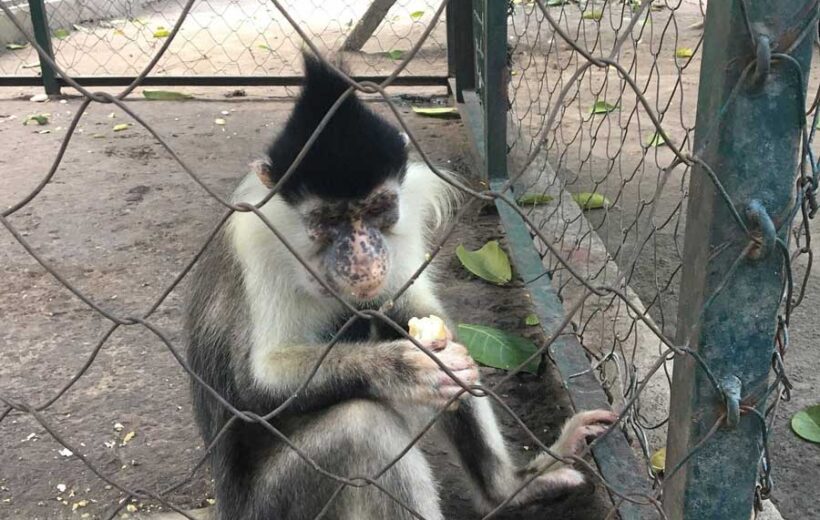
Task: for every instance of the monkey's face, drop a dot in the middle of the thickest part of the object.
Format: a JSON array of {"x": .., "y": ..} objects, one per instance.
[{"x": 350, "y": 248}]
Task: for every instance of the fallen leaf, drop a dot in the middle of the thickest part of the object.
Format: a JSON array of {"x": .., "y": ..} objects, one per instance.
[
  {"x": 65, "y": 452},
  {"x": 165, "y": 95},
  {"x": 39, "y": 98},
  {"x": 16, "y": 46},
  {"x": 496, "y": 348},
  {"x": 531, "y": 320},
  {"x": 122, "y": 126},
  {"x": 31, "y": 66},
  {"x": 219, "y": 121},
  {"x": 127, "y": 438},
  {"x": 416, "y": 15},
  {"x": 684, "y": 52},
  {"x": 488, "y": 263},
  {"x": 118, "y": 427},
  {"x": 441, "y": 112},
  {"x": 592, "y": 15},
  {"x": 61, "y": 34},
  {"x": 79, "y": 504},
  {"x": 657, "y": 140},
  {"x": 806, "y": 423},
  {"x": 264, "y": 46},
  {"x": 61, "y": 488},
  {"x": 395, "y": 54},
  {"x": 658, "y": 460},
  {"x": 40, "y": 119},
  {"x": 534, "y": 199},
  {"x": 602, "y": 107},
  {"x": 591, "y": 200},
  {"x": 161, "y": 32},
  {"x": 80, "y": 28}
]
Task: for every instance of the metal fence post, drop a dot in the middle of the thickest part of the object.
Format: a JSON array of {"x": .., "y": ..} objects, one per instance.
[
  {"x": 460, "y": 48},
  {"x": 490, "y": 26},
  {"x": 749, "y": 126},
  {"x": 39, "y": 21}
]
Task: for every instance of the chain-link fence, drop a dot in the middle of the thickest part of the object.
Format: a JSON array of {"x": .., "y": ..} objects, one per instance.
[
  {"x": 600, "y": 141},
  {"x": 231, "y": 42},
  {"x": 603, "y": 107}
]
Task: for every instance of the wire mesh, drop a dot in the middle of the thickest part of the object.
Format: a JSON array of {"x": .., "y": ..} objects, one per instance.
[
  {"x": 605, "y": 95},
  {"x": 222, "y": 38},
  {"x": 622, "y": 59}
]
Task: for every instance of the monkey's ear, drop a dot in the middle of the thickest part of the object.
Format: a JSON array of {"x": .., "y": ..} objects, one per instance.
[
  {"x": 262, "y": 170},
  {"x": 405, "y": 139}
]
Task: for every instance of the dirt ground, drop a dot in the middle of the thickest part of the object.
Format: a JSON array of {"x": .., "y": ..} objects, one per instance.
[{"x": 120, "y": 220}]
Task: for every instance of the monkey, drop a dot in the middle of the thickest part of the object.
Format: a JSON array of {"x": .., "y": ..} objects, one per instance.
[{"x": 360, "y": 212}]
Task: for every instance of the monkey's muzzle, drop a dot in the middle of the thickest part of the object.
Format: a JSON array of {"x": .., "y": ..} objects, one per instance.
[{"x": 359, "y": 262}]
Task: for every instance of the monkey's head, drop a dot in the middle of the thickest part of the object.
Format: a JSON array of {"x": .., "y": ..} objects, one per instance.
[{"x": 346, "y": 191}]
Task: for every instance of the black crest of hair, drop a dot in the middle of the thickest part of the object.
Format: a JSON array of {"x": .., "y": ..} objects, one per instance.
[{"x": 356, "y": 151}]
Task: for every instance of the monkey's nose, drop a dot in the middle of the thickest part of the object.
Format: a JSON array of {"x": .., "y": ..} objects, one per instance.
[{"x": 366, "y": 278}]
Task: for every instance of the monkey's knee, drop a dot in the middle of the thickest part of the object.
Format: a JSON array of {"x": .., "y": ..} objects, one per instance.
[{"x": 371, "y": 439}]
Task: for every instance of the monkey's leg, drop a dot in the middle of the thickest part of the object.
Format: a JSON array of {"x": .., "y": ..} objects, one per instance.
[
  {"x": 479, "y": 444},
  {"x": 356, "y": 438}
]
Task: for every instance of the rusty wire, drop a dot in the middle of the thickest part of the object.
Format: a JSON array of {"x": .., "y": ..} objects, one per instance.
[{"x": 546, "y": 138}]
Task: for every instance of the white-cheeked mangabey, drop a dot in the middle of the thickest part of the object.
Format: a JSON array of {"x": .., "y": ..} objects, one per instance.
[{"x": 257, "y": 322}]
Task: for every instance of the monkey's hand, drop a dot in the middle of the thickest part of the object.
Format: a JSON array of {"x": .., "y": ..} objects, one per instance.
[{"x": 431, "y": 385}]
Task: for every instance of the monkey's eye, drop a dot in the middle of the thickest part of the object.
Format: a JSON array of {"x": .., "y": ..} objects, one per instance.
[
  {"x": 320, "y": 231},
  {"x": 383, "y": 217}
]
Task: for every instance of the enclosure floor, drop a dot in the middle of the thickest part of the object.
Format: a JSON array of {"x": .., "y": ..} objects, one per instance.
[{"x": 120, "y": 219}]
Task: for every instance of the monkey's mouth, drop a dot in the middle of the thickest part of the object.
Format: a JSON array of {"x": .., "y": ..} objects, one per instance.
[{"x": 367, "y": 294}]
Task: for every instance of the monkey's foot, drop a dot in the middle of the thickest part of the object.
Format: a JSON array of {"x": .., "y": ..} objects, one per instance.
[{"x": 580, "y": 429}]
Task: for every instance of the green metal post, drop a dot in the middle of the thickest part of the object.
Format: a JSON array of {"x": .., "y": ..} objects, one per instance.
[
  {"x": 460, "y": 48},
  {"x": 490, "y": 25},
  {"x": 39, "y": 21},
  {"x": 748, "y": 131}
]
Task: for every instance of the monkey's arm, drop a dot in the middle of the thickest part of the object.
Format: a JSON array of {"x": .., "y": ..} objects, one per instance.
[{"x": 391, "y": 371}]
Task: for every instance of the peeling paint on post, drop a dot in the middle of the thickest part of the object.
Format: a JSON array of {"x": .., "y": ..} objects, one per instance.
[{"x": 748, "y": 132}]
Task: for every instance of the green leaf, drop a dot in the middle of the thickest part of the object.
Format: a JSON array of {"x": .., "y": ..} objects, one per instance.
[
  {"x": 592, "y": 15},
  {"x": 591, "y": 200},
  {"x": 122, "y": 126},
  {"x": 416, "y": 15},
  {"x": 602, "y": 107},
  {"x": 684, "y": 52},
  {"x": 805, "y": 423},
  {"x": 33, "y": 65},
  {"x": 265, "y": 46},
  {"x": 534, "y": 199},
  {"x": 658, "y": 460},
  {"x": 16, "y": 46},
  {"x": 441, "y": 112},
  {"x": 657, "y": 140},
  {"x": 488, "y": 263},
  {"x": 161, "y": 32},
  {"x": 531, "y": 320},
  {"x": 395, "y": 54},
  {"x": 165, "y": 95},
  {"x": 61, "y": 34},
  {"x": 496, "y": 348},
  {"x": 40, "y": 119}
]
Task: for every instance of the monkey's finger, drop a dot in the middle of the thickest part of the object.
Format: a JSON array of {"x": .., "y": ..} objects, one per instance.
[
  {"x": 467, "y": 376},
  {"x": 597, "y": 416}
]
